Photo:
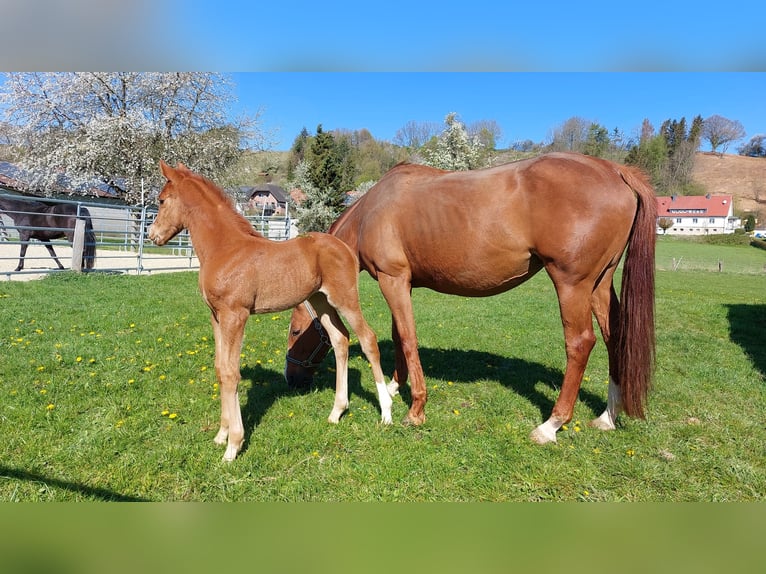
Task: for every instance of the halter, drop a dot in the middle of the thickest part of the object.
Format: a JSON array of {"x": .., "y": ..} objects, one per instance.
[{"x": 324, "y": 341}]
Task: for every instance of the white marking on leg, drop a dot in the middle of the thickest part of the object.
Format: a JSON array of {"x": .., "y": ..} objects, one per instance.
[
  {"x": 385, "y": 400},
  {"x": 222, "y": 435},
  {"x": 608, "y": 419},
  {"x": 393, "y": 388},
  {"x": 546, "y": 432}
]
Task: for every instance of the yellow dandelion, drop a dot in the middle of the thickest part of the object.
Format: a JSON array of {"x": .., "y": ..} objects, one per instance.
[
  {"x": 564, "y": 427},
  {"x": 41, "y": 368},
  {"x": 455, "y": 411},
  {"x": 172, "y": 416},
  {"x": 291, "y": 415},
  {"x": 596, "y": 450},
  {"x": 91, "y": 360},
  {"x": 162, "y": 377},
  {"x": 630, "y": 452},
  {"x": 43, "y": 391},
  {"x": 79, "y": 359},
  {"x": 119, "y": 423},
  {"x": 50, "y": 407},
  {"x": 165, "y": 413}
]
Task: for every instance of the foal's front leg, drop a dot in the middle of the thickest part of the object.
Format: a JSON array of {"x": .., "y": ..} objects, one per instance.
[{"x": 228, "y": 329}]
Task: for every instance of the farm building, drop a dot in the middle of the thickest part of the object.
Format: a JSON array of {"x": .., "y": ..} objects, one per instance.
[
  {"x": 266, "y": 199},
  {"x": 696, "y": 215}
]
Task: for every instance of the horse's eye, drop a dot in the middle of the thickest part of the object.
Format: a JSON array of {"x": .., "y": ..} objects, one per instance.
[
  {"x": 296, "y": 332},
  {"x": 162, "y": 201}
]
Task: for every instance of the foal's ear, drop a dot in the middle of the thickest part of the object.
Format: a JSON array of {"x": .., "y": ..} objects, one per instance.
[{"x": 167, "y": 171}]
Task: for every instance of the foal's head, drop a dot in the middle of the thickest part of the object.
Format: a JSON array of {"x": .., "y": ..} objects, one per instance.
[{"x": 170, "y": 220}]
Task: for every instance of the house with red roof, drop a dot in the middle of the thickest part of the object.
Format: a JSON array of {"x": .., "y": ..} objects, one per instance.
[{"x": 696, "y": 215}]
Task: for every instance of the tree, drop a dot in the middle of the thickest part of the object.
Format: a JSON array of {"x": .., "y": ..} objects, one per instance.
[
  {"x": 756, "y": 147},
  {"x": 720, "y": 132},
  {"x": 665, "y": 223},
  {"x": 414, "y": 135},
  {"x": 115, "y": 127},
  {"x": 325, "y": 175},
  {"x": 571, "y": 135},
  {"x": 454, "y": 149},
  {"x": 597, "y": 142},
  {"x": 486, "y": 132}
]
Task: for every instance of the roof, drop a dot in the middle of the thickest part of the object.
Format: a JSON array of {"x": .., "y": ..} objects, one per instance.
[
  {"x": 279, "y": 194},
  {"x": 710, "y": 205}
]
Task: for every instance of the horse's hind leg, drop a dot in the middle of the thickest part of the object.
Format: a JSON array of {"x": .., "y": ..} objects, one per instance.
[
  {"x": 606, "y": 308},
  {"x": 575, "y": 305},
  {"x": 52, "y": 253},
  {"x": 338, "y": 335}
]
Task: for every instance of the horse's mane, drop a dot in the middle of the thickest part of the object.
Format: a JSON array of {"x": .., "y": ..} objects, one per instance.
[{"x": 216, "y": 193}]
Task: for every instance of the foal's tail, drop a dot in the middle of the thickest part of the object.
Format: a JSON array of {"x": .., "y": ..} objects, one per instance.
[
  {"x": 635, "y": 336},
  {"x": 89, "y": 245}
]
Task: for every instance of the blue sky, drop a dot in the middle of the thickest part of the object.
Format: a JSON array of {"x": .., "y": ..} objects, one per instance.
[
  {"x": 353, "y": 64},
  {"x": 525, "y": 105}
]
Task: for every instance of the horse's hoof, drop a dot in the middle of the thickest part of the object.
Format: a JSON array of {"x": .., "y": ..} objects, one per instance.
[
  {"x": 603, "y": 423},
  {"x": 410, "y": 421}
]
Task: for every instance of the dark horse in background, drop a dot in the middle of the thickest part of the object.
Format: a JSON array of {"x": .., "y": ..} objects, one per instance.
[
  {"x": 483, "y": 232},
  {"x": 44, "y": 222}
]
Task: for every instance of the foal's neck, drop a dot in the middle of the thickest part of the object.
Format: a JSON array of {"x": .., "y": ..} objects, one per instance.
[{"x": 217, "y": 226}]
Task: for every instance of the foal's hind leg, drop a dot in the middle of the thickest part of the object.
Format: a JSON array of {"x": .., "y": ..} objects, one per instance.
[
  {"x": 338, "y": 335},
  {"x": 350, "y": 309},
  {"x": 606, "y": 308}
]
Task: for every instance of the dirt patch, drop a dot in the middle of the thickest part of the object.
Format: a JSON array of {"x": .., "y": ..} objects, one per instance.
[{"x": 38, "y": 263}]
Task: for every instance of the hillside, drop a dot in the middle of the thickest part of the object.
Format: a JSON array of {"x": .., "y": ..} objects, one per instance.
[{"x": 742, "y": 177}]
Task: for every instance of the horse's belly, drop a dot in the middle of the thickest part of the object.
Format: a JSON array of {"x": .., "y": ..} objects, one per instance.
[{"x": 476, "y": 278}]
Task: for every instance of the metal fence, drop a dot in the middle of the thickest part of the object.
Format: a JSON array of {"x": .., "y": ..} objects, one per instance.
[{"x": 122, "y": 245}]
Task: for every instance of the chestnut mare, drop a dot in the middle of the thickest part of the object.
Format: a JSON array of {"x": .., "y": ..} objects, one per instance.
[
  {"x": 242, "y": 273},
  {"x": 480, "y": 233}
]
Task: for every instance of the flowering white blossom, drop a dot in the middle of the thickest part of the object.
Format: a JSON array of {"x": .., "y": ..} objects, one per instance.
[
  {"x": 114, "y": 127},
  {"x": 454, "y": 150}
]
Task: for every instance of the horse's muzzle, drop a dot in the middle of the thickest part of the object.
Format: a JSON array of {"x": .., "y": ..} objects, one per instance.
[{"x": 301, "y": 383}]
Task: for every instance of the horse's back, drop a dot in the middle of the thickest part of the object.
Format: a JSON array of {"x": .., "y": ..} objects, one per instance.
[{"x": 484, "y": 231}]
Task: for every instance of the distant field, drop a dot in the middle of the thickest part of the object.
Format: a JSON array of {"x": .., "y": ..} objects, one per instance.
[{"x": 675, "y": 253}]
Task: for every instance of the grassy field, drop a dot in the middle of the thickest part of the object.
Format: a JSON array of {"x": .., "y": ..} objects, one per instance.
[{"x": 108, "y": 392}]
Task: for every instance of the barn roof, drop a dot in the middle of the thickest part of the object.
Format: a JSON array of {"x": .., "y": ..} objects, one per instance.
[{"x": 710, "y": 205}]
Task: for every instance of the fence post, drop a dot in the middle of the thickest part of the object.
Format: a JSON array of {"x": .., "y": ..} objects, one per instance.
[{"x": 78, "y": 242}]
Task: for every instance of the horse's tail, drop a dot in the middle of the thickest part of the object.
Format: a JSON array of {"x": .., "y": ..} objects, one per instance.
[
  {"x": 89, "y": 245},
  {"x": 635, "y": 336}
]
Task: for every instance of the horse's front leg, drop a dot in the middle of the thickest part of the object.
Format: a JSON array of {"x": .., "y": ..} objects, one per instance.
[
  {"x": 396, "y": 291},
  {"x": 22, "y": 252},
  {"x": 228, "y": 330}
]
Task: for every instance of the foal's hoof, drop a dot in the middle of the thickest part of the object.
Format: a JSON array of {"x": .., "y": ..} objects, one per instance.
[{"x": 540, "y": 436}]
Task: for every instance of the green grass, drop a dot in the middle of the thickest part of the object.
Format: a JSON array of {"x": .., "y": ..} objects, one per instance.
[{"x": 108, "y": 392}]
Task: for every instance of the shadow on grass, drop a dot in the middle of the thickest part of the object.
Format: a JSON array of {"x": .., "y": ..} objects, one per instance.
[
  {"x": 268, "y": 386},
  {"x": 460, "y": 366},
  {"x": 89, "y": 491},
  {"x": 747, "y": 328},
  {"x": 521, "y": 376}
]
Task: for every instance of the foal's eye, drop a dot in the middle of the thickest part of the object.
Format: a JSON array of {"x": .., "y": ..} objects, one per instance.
[{"x": 162, "y": 201}]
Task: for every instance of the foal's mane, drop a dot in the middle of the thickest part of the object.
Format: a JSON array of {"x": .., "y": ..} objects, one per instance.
[{"x": 216, "y": 194}]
